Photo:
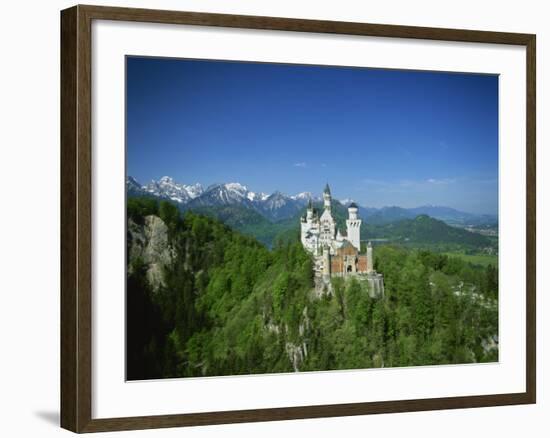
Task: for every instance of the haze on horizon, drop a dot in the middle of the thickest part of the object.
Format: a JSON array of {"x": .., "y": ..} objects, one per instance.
[{"x": 379, "y": 137}]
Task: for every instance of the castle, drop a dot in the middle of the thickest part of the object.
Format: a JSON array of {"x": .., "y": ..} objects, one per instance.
[{"x": 337, "y": 253}]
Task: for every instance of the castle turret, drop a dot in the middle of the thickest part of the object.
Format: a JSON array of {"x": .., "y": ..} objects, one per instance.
[
  {"x": 370, "y": 260},
  {"x": 352, "y": 211},
  {"x": 326, "y": 262},
  {"x": 327, "y": 197},
  {"x": 309, "y": 212},
  {"x": 354, "y": 226},
  {"x": 327, "y": 223}
]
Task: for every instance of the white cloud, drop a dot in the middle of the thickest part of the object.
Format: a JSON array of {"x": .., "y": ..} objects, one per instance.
[
  {"x": 441, "y": 181},
  {"x": 301, "y": 164},
  {"x": 406, "y": 185}
]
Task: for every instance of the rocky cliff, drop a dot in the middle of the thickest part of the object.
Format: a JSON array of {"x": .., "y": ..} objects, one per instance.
[{"x": 150, "y": 243}]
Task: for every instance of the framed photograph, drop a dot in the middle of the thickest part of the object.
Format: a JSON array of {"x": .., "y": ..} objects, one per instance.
[{"x": 270, "y": 218}]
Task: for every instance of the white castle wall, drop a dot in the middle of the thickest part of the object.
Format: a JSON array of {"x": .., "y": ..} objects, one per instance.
[{"x": 353, "y": 230}]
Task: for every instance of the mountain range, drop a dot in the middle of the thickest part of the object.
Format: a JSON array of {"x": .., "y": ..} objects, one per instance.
[
  {"x": 274, "y": 207},
  {"x": 279, "y": 206}
]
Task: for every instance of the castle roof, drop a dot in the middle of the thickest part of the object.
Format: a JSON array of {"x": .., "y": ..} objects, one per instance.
[
  {"x": 346, "y": 244},
  {"x": 347, "y": 248},
  {"x": 352, "y": 205},
  {"x": 343, "y": 233},
  {"x": 327, "y": 189},
  {"x": 327, "y": 216},
  {"x": 309, "y": 204}
]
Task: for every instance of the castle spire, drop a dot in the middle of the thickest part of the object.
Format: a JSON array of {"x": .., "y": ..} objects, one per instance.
[
  {"x": 327, "y": 197},
  {"x": 309, "y": 211}
]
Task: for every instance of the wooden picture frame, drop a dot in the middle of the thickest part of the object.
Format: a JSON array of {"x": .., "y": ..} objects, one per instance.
[{"x": 76, "y": 218}]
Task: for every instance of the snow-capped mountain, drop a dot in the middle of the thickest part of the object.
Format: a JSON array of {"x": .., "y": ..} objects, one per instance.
[
  {"x": 222, "y": 194},
  {"x": 166, "y": 187},
  {"x": 306, "y": 196},
  {"x": 274, "y": 207},
  {"x": 133, "y": 188},
  {"x": 278, "y": 206},
  {"x": 253, "y": 196}
]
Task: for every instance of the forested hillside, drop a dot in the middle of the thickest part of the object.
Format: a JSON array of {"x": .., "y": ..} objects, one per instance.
[
  {"x": 252, "y": 223},
  {"x": 205, "y": 300},
  {"x": 422, "y": 231}
]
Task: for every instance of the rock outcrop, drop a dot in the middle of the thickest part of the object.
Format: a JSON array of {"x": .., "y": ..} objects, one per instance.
[{"x": 150, "y": 242}]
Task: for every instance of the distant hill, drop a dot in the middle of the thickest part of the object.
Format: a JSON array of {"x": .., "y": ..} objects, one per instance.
[
  {"x": 425, "y": 230},
  {"x": 421, "y": 231},
  {"x": 249, "y": 222},
  {"x": 449, "y": 215},
  {"x": 385, "y": 215}
]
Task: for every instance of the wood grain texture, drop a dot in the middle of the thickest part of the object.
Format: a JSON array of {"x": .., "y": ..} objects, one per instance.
[
  {"x": 303, "y": 412},
  {"x": 76, "y": 218},
  {"x": 76, "y": 250},
  {"x": 84, "y": 218},
  {"x": 300, "y": 25},
  {"x": 531, "y": 249},
  {"x": 68, "y": 233}
]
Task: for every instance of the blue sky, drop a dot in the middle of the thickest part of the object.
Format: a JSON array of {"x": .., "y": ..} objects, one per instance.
[{"x": 380, "y": 137}]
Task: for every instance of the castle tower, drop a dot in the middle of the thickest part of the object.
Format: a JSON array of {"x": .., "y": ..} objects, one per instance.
[
  {"x": 326, "y": 262},
  {"x": 327, "y": 232},
  {"x": 309, "y": 212},
  {"x": 327, "y": 197},
  {"x": 370, "y": 260},
  {"x": 353, "y": 224}
]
